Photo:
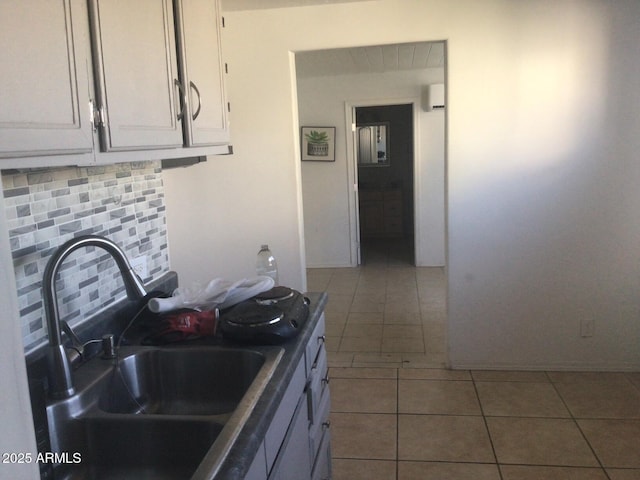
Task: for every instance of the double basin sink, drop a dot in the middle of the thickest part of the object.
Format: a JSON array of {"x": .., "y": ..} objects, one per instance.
[{"x": 158, "y": 412}]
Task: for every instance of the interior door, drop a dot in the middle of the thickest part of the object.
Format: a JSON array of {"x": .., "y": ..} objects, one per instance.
[{"x": 385, "y": 174}]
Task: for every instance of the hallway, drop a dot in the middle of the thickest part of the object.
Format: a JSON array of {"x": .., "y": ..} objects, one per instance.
[{"x": 384, "y": 312}]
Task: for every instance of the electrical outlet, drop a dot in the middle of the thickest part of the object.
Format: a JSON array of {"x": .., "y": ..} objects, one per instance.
[
  {"x": 139, "y": 265},
  {"x": 587, "y": 327}
]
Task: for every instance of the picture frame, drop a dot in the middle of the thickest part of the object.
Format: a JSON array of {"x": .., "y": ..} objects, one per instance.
[{"x": 318, "y": 144}]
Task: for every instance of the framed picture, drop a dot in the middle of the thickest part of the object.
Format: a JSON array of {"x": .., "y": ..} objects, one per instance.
[{"x": 318, "y": 144}]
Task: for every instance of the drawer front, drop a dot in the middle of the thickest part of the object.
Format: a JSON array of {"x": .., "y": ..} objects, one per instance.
[
  {"x": 313, "y": 347},
  {"x": 322, "y": 424},
  {"x": 322, "y": 467},
  {"x": 317, "y": 384}
]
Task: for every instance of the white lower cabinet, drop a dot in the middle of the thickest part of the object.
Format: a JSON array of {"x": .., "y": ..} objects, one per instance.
[
  {"x": 293, "y": 461},
  {"x": 297, "y": 445},
  {"x": 258, "y": 468},
  {"x": 322, "y": 467}
]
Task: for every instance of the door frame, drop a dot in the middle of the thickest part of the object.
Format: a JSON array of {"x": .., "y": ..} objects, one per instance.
[{"x": 352, "y": 170}]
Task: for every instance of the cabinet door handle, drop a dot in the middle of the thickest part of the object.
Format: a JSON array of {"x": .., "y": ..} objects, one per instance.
[
  {"x": 193, "y": 85},
  {"x": 183, "y": 98}
]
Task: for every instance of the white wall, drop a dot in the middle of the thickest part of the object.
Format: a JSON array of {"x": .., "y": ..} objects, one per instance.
[
  {"x": 542, "y": 172},
  {"x": 431, "y": 191},
  {"x": 543, "y": 197},
  {"x": 220, "y": 212},
  {"x": 327, "y": 187}
]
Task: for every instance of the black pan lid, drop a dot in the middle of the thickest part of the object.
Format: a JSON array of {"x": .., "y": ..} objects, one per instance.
[
  {"x": 274, "y": 295},
  {"x": 252, "y": 314}
]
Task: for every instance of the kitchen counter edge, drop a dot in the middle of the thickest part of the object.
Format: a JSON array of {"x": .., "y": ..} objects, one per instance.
[{"x": 238, "y": 461}]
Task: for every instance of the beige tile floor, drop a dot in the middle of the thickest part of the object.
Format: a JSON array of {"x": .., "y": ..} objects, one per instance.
[{"x": 398, "y": 414}]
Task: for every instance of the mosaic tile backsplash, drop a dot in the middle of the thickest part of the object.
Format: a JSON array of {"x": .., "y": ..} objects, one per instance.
[{"x": 44, "y": 208}]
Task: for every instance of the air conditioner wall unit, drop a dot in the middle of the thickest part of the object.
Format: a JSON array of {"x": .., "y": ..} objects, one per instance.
[{"x": 434, "y": 97}]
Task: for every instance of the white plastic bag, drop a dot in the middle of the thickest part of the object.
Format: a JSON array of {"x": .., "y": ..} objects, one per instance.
[{"x": 219, "y": 293}]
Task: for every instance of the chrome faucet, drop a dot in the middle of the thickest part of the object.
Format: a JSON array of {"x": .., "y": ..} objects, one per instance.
[{"x": 60, "y": 381}]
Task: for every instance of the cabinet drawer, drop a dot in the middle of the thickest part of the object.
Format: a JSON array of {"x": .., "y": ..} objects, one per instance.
[
  {"x": 317, "y": 384},
  {"x": 317, "y": 429},
  {"x": 315, "y": 342},
  {"x": 322, "y": 468}
]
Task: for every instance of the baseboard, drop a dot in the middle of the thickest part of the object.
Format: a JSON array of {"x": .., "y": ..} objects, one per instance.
[{"x": 560, "y": 367}]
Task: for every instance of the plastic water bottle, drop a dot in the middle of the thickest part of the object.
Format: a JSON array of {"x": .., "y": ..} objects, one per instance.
[{"x": 266, "y": 263}]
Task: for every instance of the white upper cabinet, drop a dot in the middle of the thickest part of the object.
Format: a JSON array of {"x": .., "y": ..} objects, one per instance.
[
  {"x": 44, "y": 87},
  {"x": 159, "y": 80},
  {"x": 201, "y": 72},
  {"x": 106, "y": 81},
  {"x": 137, "y": 87}
]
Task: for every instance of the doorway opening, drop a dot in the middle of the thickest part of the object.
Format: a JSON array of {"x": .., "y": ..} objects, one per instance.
[
  {"x": 373, "y": 76},
  {"x": 384, "y": 152}
]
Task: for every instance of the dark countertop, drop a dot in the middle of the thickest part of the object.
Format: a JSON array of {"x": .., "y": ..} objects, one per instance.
[
  {"x": 238, "y": 461},
  {"x": 241, "y": 455}
]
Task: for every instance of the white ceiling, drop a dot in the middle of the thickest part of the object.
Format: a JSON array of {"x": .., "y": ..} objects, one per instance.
[
  {"x": 370, "y": 59},
  {"x": 231, "y": 5}
]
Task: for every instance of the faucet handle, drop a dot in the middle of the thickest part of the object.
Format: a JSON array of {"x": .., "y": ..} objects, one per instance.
[
  {"x": 77, "y": 345},
  {"x": 108, "y": 346}
]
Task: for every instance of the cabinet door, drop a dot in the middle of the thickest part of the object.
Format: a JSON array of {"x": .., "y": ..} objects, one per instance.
[
  {"x": 322, "y": 467},
  {"x": 258, "y": 468},
  {"x": 44, "y": 99},
  {"x": 282, "y": 419},
  {"x": 136, "y": 73},
  {"x": 202, "y": 72},
  {"x": 294, "y": 462}
]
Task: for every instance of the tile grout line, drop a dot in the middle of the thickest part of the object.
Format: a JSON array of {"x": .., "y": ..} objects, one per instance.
[
  {"x": 598, "y": 466},
  {"x": 486, "y": 425},
  {"x": 397, "y": 423},
  {"x": 577, "y": 424}
]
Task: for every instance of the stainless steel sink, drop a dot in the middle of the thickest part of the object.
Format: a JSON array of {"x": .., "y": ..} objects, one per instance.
[
  {"x": 181, "y": 382},
  {"x": 158, "y": 412}
]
